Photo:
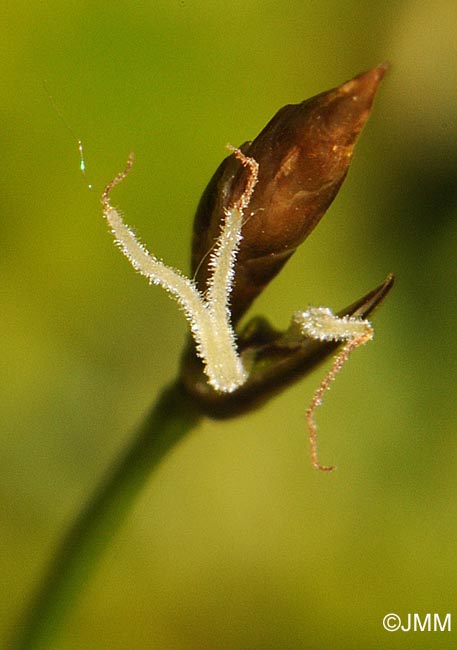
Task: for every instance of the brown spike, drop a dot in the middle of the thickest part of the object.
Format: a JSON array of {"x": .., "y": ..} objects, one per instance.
[{"x": 304, "y": 154}]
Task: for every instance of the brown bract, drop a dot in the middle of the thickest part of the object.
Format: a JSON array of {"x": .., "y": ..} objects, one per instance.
[
  {"x": 275, "y": 365},
  {"x": 303, "y": 154}
]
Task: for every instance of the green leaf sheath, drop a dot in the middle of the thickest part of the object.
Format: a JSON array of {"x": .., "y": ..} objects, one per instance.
[{"x": 77, "y": 557}]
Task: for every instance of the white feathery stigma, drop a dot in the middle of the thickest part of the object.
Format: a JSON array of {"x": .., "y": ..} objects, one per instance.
[{"x": 208, "y": 313}]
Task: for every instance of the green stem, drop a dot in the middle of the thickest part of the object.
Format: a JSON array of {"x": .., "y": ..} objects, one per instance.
[{"x": 78, "y": 555}]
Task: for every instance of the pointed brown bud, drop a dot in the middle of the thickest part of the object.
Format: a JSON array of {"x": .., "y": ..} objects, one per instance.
[{"x": 303, "y": 154}]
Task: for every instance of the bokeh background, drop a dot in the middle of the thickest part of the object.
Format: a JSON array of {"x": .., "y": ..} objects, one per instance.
[{"x": 236, "y": 543}]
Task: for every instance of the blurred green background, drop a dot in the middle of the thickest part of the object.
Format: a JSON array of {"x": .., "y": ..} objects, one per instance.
[{"x": 236, "y": 543}]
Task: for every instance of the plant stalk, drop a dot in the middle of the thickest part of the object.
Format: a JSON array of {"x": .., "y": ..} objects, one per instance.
[{"x": 78, "y": 555}]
